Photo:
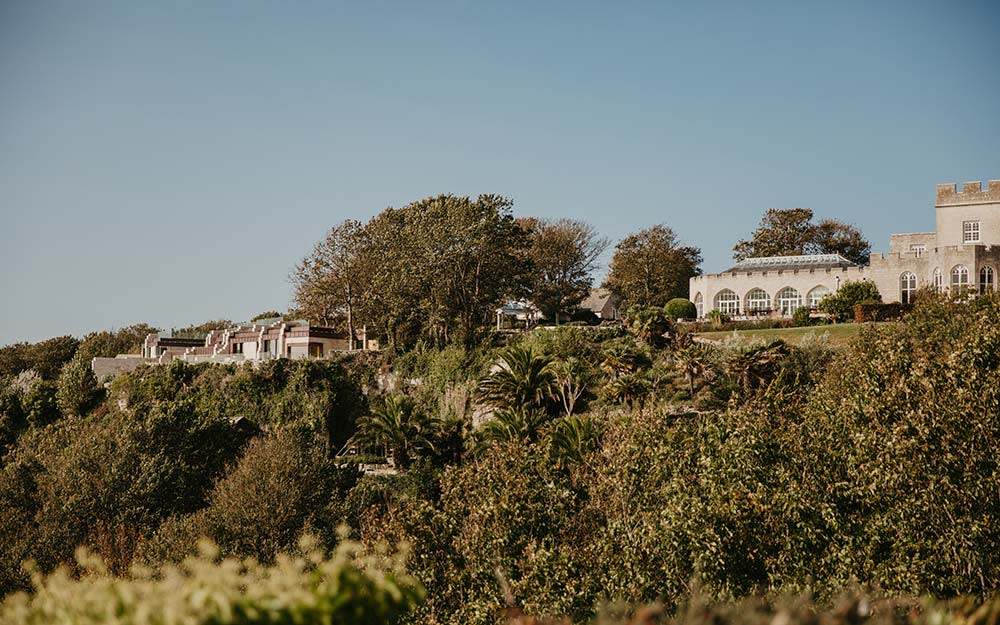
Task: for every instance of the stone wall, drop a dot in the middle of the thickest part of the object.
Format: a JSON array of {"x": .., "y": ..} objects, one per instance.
[
  {"x": 900, "y": 243},
  {"x": 105, "y": 368}
]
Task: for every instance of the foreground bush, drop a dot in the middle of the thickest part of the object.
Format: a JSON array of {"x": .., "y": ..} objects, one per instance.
[
  {"x": 314, "y": 588},
  {"x": 851, "y": 609}
]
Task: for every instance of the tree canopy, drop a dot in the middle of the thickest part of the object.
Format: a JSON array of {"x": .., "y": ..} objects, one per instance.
[
  {"x": 791, "y": 231},
  {"x": 564, "y": 253},
  {"x": 436, "y": 268},
  {"x": 651, "y": 267},
  {"x": 330, "y": 281}
]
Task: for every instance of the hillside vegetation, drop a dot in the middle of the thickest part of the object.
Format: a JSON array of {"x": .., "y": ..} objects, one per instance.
[{"x": 558, "y": 473}]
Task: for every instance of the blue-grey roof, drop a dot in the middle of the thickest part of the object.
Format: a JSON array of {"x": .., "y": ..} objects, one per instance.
[{"x": 805, "y": 261}]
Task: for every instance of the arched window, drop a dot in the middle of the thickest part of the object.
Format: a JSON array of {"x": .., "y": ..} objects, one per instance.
[
  {"x": 758, "y": 301},
  {"x": 959, "y": 278},
  {"x": 788, "y": 301},
  {"x": 938, "y": 280},
  {"x": 727, "y": 302},
  {"x": 699, "y": 305},
  {"x": 907, "y": 287},
  {"x": 986, "y": 279},
  {"x": 816, "y": 296}
]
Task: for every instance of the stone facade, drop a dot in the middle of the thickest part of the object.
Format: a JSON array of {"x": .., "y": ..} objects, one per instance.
[{"x": 963, "y": 252}]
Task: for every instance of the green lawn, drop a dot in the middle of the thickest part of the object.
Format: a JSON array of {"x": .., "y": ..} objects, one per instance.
[{"x": 840, "y": 333}]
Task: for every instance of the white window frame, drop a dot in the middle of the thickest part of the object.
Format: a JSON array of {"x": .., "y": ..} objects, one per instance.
[
  {"x": 959, "y": 277},
  {"x": 970, "y": 232},
  {"x": 760, "y": 303},
  {"x": 816, "y": 295},
  {"x": 938, "y": 279},
  {"x": 788, "y": 304},
  {"x": 918, "y": 249},
  {"x": 730, "y": 305}
]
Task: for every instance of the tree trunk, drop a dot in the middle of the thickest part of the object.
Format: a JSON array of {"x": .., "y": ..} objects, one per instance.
[{"x": 350, "y": 320}]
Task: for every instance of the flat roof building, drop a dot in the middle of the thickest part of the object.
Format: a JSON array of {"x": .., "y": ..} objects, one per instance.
[
  {"x": 962, "y": 253},
  {"x": 264, "y": 339}
]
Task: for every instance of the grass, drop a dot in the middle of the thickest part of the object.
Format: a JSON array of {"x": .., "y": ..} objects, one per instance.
[{"x": 840, "y": 333}]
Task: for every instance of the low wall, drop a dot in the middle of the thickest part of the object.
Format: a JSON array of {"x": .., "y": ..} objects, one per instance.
[{"x": 105, "y": 368}]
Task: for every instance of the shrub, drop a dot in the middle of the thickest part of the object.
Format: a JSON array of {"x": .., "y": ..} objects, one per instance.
[
  {"x": 107, "y": 344},
  {"x": 680, "y": 308},
  {"x": 77, "y": 390},
  {"x": 39, "y": 403},
  {"x": 345, "y": 587},
  {"x": 841, "y": 303},
  {"x": 12, "y": 419},
  {"x": 650, "y": 324},
  {"x": 754, "y": 324},
  {"x": 80, "y": 481},
  {"x": 717, "y": 318},
  {"x": 282, "y": 486},
  {"x": 877, "y": 311},
  {"x": 801, "y": 316}
]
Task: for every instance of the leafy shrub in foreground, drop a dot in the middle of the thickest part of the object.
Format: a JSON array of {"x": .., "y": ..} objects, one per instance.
[{"x": 315, "y": 588}]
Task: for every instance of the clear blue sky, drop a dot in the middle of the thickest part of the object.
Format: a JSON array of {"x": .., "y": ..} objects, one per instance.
[{"x": 169, "y": 162}]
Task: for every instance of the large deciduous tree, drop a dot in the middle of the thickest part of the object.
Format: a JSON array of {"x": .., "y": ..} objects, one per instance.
[
  {"x": 836, "y": 237},
  {"x": 791, "y": 231},
  {"x": 330, "y": 281},
  {"x": 565, "y": 254},
  {"x": 441, "y": 265},
  {"x": 437, "y": 268},
  {"x": 651, "y": 267}
]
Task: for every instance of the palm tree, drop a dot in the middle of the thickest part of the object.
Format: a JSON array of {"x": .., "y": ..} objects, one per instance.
[
  {"x": 521, "y": 378},
  {"x": 692, "y": 361},
  {"x": 520, "y": 424},
  {"x": 627, "y": 389},
  {"x": 572, "y": 438},
  {"x": 397, "y": 427},
  {"x": 756, "y": 366},
  {"x": 623, "y": 358}
]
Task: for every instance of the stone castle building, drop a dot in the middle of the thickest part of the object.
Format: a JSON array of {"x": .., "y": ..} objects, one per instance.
[{"x": 962, "y": 252}]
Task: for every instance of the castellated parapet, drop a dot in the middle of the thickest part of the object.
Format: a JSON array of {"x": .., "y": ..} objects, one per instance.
[
  {"x": 963, "y": 252},
  {"x": 971, "y": 193}
]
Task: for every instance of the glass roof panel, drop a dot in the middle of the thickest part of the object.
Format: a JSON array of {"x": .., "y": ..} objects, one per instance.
[{"x": 805, "y": 260}]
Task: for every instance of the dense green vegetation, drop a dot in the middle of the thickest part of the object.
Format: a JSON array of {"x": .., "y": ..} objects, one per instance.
[
  {"x": 574, "y": 472},
  {"x": 551, "y": 473}
]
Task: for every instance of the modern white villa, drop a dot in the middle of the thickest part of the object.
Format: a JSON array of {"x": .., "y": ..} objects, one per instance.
[
  {"x": 963, "y": 252},
  {"x": 264, "y": 339}
]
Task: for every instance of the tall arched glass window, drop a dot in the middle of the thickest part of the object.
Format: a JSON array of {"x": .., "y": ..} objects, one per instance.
[
  {"x": 959, "y": 278},
  {"x": 938, "y": 280},
  {"x": 727, "y": 302},
  {"x": 907, "y": 287},
  {"x": 699, "y": 305},
  {"x": 788, "y": 301},
  {"x": 758, "y": 301},
  {"x": 986, "y": 279},
  {"x": 816, "y": 296}
]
